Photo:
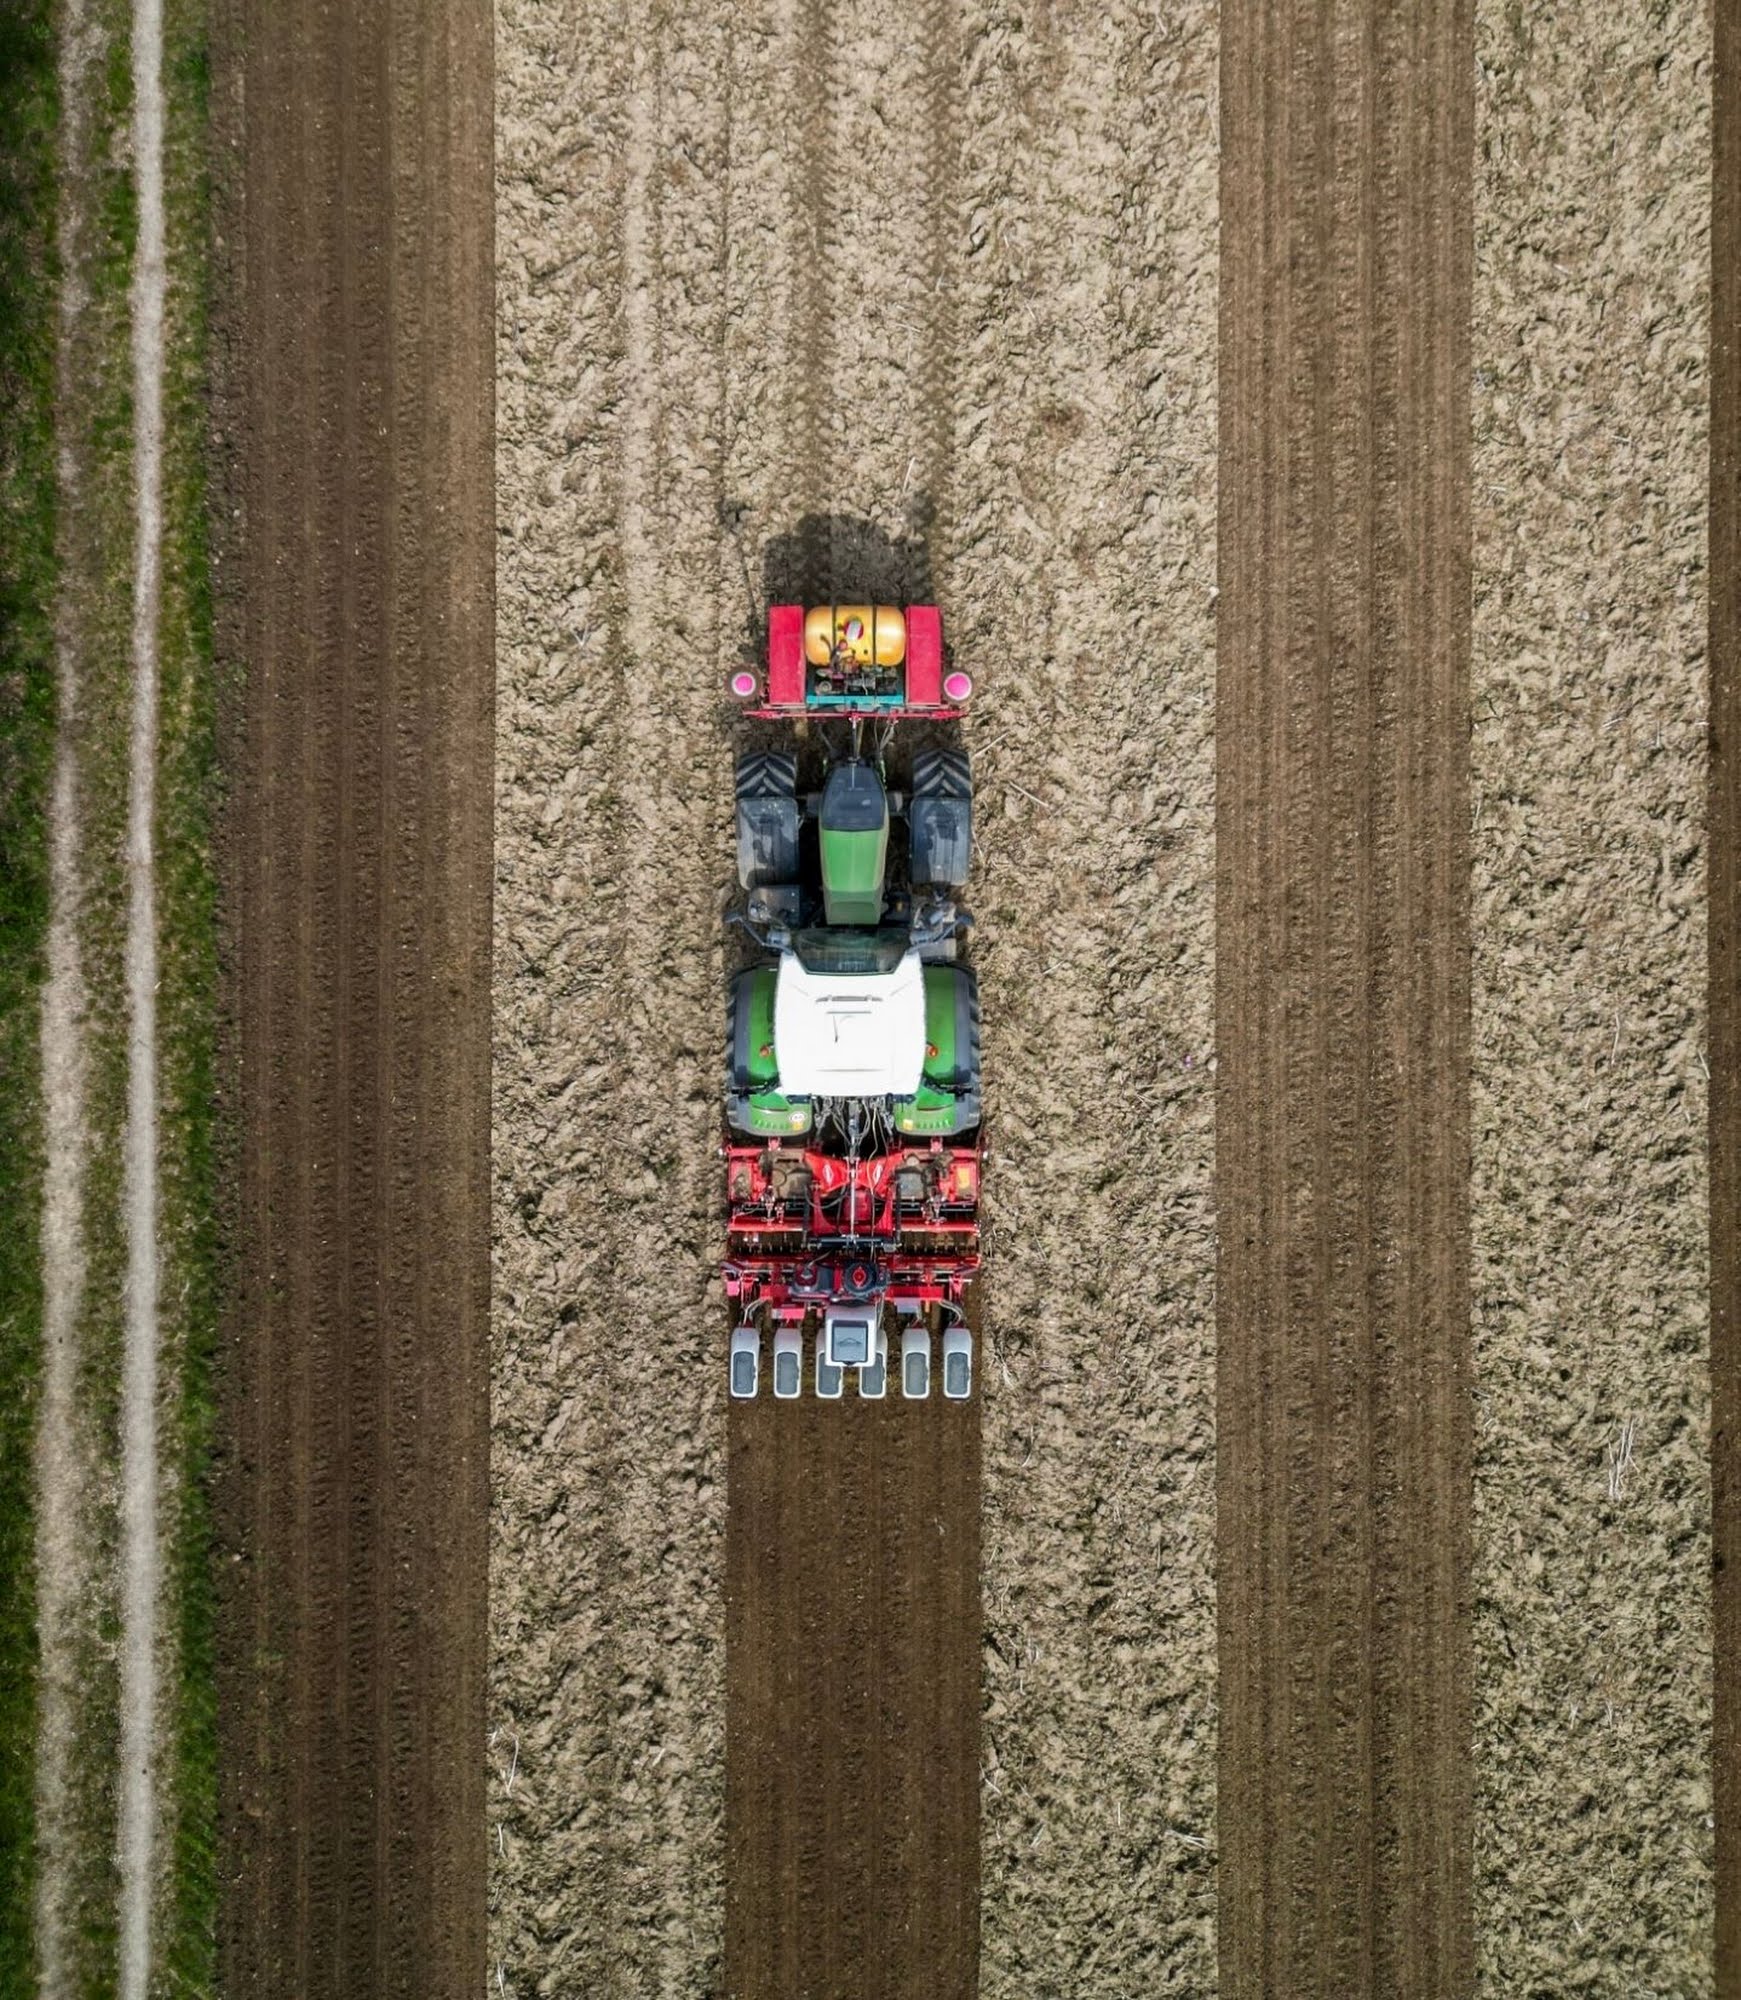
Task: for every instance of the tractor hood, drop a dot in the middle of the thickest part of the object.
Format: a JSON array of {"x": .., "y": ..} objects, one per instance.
[{"x": 841, "y": 1034}]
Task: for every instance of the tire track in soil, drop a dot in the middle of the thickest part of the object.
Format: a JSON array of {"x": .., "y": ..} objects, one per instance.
[
  {"x": 356, "y": 409},
  {"x": 1723, "y": 812},
  {"x": 1343, "y": 935}
]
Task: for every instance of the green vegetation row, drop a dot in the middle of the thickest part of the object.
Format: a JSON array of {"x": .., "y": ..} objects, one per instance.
[{"x": 27, "y": 524}]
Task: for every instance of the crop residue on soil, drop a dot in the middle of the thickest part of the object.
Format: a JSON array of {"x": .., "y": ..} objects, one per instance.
[
  {"x": 1080, "y": 581},
  {"x": 1592, "y": 1531},
  {"x": 1723, "y": 797},
  {"x": 619, "y": 605}
]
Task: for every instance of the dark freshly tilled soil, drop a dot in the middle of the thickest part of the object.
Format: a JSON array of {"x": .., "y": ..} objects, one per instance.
[
  {"x": 1342, "y": 1001},
  {"x": 852, "y": 1618},
  {"x": 354, "y": 336}
]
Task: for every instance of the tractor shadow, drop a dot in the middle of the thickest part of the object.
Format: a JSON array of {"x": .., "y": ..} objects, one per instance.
[{"x": 835, "y": 558}]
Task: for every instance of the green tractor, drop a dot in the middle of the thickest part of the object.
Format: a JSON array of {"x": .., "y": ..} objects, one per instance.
[
  {"x": 853, "y": 1091},
  {"x": 863, "y": 1017}
]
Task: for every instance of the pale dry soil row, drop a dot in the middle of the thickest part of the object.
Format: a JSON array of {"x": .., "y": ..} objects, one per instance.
[
  {"x": 1593, "y": 1840},
  {"x": 723, "y": 323},
  {"x": 613, "y": 796},
  {"x": 1723, "y": 804},
  {"x": 1080, "y": 588}
]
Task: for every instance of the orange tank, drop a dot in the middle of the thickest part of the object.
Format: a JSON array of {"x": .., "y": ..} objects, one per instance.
[{"x": 870, "y": 632}]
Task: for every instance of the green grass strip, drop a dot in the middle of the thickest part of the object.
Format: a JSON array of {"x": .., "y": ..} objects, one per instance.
[
  {"x": 187, "y": 915},
  {"x": 27, "y": 574}
]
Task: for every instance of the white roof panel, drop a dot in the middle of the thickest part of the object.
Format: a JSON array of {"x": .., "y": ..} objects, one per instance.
[{"x": 850, "y": 1034}]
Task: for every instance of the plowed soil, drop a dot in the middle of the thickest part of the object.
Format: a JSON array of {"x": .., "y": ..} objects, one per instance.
[
  {"x": 1342, "y": 1003},
  {"x": 1724, "y": 813},
  {"x": 896, "y": 299},
  {"x": 1591, "y": 1290},
  {"x": 355, "y": 597}
]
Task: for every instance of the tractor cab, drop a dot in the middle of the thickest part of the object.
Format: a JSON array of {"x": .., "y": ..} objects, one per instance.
[{"x": 853, "y": 1018}]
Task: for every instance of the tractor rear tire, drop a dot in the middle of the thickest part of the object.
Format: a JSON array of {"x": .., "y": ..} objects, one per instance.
[
  {"x": 942, "y": 774},
  {"x": 767, "y": 774},
  {"x": 940, "y": 818},
  {"x": 768, "y": 819}
]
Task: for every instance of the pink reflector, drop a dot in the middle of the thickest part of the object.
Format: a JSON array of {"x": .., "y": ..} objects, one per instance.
[
  {"x": 743, "y": 685},
  {"x": 957, "y": 686}
]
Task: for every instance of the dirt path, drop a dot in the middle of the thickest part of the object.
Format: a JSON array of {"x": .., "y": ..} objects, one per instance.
[
  {"x": 355, "y": 364},
  {"x": 139, "y": 1812},
  {"x": 65, "y": 1549},
  {"x": 1343, "y": 920},
  {"x": 1723, "y": 807}
]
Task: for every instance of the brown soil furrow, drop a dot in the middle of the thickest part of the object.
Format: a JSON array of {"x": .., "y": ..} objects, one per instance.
[
  {"x": 852, "y": 1699},
  {"x": 937, "y": 1511},
  {"x": 848, "y": 1834},
  {"x": 1723, "y": 809},
  {"x": 356, "y": 406},
  {"x": 351, "y": 1062},
  {"x": 1343, "y": 937}
]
